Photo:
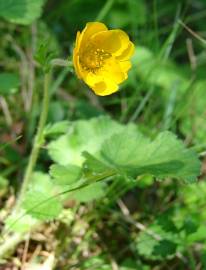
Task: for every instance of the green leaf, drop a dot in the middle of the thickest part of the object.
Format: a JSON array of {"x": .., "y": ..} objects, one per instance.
[
  {"x": 89, "y": 193},
  {"x": 165, "y": 248},
  {"x": 21, "y": 11},
  {"x": 83, "y": 135},
  {"x": 166, "y": 156},
  {"x": 41, "y": 182},
  {"x": 197, "y": 236},
  {"x": 194, "y": 195},
  {"x": 9, "y": 83},
  {"x": 96, "y": 262},
  {"x": 44, "y": 55},
  {"x": 92, "y": 164},
  {"x": 160, "y": 239},
  {"x": 145, "y": 245},
  {"x": 20, "y": 222},
  {"x": 40, "y": 200},
  {"x": 124, "y": 149},
  {"x": 42, "y": 205},
  {"x": 190, "y": 225},
  {"x": 56, "y": 129},
  {"x": 65, "y": 175}
]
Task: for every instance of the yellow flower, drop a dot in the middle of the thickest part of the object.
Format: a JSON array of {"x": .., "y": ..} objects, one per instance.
[{"x": 101, "y": 57}]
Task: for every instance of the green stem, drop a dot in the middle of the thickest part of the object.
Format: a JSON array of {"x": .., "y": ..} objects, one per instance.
[{"x": 38, "y": 141}]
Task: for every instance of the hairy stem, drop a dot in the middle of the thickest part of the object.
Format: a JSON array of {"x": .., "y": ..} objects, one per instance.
[{"x": 38, "y": 140}]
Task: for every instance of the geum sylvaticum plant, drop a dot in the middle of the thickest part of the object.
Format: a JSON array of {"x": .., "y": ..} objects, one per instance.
[{"x": 90, "y": 154}]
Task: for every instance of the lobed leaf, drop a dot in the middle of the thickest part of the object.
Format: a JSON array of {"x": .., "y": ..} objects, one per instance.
[
  {"x": 40, "y": 201},
  {"x": 42, "y": 205},
  {"x": 92, "y": 192},
  {"x": 166, "y": 156},
  {"x": 65, "y": 175},
  {"x": 83, "y": 135}
]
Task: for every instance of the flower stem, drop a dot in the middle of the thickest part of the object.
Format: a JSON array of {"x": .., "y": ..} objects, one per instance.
[{"x": 38, "y": 140}]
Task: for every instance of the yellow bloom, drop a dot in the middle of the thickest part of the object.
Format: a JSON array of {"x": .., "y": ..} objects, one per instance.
[{"x": 101, "y": 57}]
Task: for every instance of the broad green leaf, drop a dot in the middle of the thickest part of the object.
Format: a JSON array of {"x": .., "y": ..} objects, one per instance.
[
  {"x": 9, "y": 82},
  {"x": 42, "y": 205},
  {"x": 40, "y": 200},
  {"x": 41, "y": 182},
  {"x": 65, "y": 175},
  {"x": 89, "y": 193},
  {"x": 21, "y": 11},
  {"x": 124, "y": 148},
  {"x": 92, "y": 164},
  {"x": 165, "y": 156},
  {"x": 83, "y": 135}
]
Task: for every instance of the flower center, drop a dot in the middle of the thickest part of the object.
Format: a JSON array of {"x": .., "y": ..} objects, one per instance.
[{"x": 92, "y": 59}]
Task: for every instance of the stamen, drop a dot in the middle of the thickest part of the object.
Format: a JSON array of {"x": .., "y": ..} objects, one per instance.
[{"x": 92, "y": 58}]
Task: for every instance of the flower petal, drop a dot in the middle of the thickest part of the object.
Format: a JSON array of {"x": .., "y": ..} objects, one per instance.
[
  {"x": 76, "y": 57},
  {"x": 127, "y": 53},
  {"x": 125, "y": 66},
  {"x": 90, "y": 29},
  {"x": 112, "y": 70},
  {"x": 78, "y": 40},
  {"x": 102, "y": 85},
  {"x": 105, "y": 88},
  {"x": 112, "y": 41},
  {"x": 92, "y": 78}
]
